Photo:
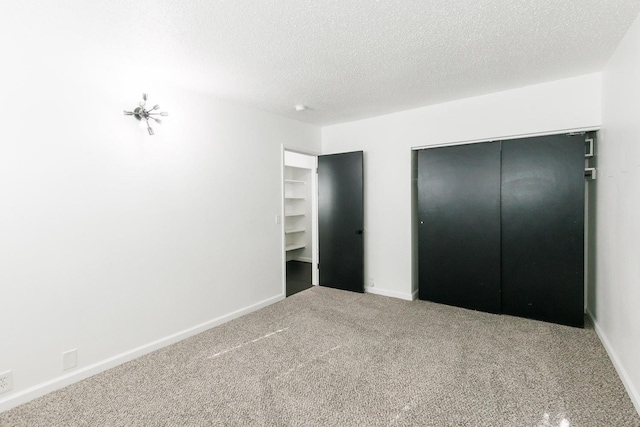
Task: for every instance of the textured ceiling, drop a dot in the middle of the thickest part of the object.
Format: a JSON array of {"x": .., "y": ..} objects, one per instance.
[{"x": 348, "y": 59}]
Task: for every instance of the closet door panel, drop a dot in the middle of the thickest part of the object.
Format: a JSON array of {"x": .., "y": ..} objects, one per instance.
[
  {"x": 543, "y": 228},
  {"x": 459, "y": 226}
]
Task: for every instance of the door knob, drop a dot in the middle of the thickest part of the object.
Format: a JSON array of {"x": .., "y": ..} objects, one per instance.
[{"x": 359, "y": 231}]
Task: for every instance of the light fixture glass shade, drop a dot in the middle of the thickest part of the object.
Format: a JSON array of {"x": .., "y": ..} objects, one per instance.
[{"x": 143, "y": 115}]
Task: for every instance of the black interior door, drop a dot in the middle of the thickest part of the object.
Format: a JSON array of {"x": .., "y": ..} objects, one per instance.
[
  {"x": 459, "y": 225},
  {"x": 543, "y": 228},
  {"x": 341, "y": 221}
]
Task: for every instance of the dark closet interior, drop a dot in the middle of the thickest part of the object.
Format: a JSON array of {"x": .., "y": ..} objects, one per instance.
[{"x": 501, "y": 227}]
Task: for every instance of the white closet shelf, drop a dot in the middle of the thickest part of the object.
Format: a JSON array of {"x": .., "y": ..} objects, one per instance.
[
  {"x": 295, "y": 214},
  {"x": 294, "y": 230},
  {"x": 294, "y": 181},
  {"x": 295, "y": 246},
  {"x": 296, "y": 198}
]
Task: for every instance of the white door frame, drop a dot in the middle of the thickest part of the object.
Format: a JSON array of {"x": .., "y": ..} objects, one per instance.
[{"x": 314, "y": 214}]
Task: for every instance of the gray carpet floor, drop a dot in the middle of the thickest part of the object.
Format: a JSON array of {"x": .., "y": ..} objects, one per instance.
[{"x": 328, "y": 357}]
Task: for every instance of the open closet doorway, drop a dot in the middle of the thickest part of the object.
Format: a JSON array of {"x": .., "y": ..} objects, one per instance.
[{"x": 300, "y": 220}]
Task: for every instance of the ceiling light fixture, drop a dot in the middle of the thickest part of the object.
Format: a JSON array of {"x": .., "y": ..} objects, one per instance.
[
  {"x": 140, "y": 113},
  {"x": 300, "y": 107}
]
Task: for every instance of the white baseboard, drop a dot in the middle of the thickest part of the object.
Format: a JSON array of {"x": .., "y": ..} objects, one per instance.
[
  {"x": 387, "y": 293},
  {"x": 622, "y": 373},
  {"x": 57, "y": 383}
]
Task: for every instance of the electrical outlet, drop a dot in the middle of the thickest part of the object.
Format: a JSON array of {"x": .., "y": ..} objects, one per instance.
[
  {"x": 6, "y": 381},
  {"x": 69, "y": 359}
]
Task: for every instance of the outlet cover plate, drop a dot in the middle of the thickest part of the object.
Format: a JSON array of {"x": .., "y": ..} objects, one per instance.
[
  {"x": 6, "y": 381},
  {"x": 69, "y": 359}
]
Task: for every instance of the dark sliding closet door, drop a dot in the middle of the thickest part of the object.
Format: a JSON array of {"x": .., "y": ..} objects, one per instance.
[
  {"x": 459, "y": 226},
  {"x": 543, "y": 228}
]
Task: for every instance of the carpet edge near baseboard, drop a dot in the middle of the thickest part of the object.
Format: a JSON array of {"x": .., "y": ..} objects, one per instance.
[
  {"x": 38, "y": 390},
  {"x": 633, "y": 393},
  {"x": 387, "y": 293}
]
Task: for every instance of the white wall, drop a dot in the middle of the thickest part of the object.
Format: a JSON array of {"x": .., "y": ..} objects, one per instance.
[
  {"x": 616, "y": 306},
  {"x": 387, "y": 141},
  {"x": 114, "y": 242},
  {"x": 291, "y": 158}
]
